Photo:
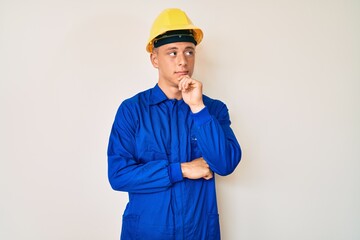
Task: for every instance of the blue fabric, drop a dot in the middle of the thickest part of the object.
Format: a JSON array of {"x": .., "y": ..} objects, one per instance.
[{"x": 150, "y": 137}]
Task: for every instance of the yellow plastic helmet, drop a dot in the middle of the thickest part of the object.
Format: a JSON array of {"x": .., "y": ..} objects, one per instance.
[{"x": 172, "y": 19}]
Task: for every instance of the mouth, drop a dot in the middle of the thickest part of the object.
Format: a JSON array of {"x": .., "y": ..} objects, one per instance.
[{"x": 182, "y": 73}]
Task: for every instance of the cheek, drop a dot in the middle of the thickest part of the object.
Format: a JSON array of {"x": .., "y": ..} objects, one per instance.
[
  {"x": 191, "y": 62},
  {"x": 166, "y": 64}
]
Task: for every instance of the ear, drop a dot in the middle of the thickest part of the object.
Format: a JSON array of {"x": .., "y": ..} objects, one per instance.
[{"x": 154, "y": 59}]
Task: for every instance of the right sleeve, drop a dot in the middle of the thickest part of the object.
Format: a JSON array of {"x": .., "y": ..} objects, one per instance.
[{"x": 125, "y": 172}]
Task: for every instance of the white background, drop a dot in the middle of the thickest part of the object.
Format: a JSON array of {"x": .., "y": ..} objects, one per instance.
[{"x": 289, "y": 72}]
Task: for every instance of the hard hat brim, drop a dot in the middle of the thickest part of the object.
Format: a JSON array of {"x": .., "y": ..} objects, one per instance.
[{"x": 198, "y": 35}]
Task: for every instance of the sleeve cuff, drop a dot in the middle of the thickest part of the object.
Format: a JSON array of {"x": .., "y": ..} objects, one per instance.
[
  {"x": 175, "y": 172},
  {"x": 201, "y": 117}
]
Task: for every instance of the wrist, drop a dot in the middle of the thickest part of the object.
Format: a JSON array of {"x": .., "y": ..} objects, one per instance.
[
  {"x": 183, "y": 169},
  {"x": 197, "y": 108}
]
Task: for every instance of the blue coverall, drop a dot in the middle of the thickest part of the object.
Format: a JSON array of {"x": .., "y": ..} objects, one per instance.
[{"x": 150, "y": 137}]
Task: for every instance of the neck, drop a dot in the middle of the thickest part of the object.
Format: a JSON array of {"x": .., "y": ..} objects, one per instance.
[{"x": 171, "y": 92}]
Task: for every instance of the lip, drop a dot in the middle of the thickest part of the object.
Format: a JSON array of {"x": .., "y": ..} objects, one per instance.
[{"x": 182, "y": 73}]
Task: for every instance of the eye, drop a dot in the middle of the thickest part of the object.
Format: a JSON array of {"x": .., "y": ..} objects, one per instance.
[
  {"x": 172, "y": 54},
  {"x": 189, "y": 53}
]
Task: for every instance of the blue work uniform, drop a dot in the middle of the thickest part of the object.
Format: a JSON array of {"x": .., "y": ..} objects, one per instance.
[{"x": 151, "y": 136}]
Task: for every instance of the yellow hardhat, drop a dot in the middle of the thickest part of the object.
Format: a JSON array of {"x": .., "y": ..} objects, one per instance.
[{"x": 169, "y": 20}]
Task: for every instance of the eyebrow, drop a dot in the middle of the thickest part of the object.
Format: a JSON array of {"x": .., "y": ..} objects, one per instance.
[
  {"x": 176, "y": 48},
  {"x": 171, "y": 48}
]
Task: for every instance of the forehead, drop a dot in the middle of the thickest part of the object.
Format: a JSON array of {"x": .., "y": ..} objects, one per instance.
[{"x": 177, "y": 46}]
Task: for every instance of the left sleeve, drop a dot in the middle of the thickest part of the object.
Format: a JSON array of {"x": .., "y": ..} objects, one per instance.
[{"x": 216, "y": 140}]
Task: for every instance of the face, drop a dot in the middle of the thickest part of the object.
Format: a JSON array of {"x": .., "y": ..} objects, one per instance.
[{"x": 173, "y": 60}]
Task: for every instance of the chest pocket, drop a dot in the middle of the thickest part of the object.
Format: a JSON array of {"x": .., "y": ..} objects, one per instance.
[
  {"x": 151, "y": 153},
  {"x": 149, "y": 148}
]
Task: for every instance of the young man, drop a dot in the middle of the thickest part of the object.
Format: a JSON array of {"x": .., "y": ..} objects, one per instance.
[{"x": 167, "y": 142}]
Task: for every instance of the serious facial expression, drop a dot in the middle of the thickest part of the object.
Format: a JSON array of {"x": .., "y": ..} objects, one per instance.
[{"x": 174, "y": 60}]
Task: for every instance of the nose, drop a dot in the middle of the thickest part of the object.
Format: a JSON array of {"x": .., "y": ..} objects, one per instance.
[{"x": 182, "y": 61}]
